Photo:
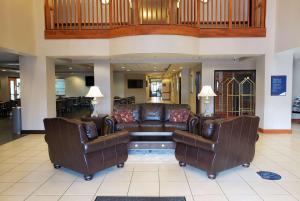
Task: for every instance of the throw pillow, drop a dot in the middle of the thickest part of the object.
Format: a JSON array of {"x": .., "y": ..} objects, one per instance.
[
  {"x": 90, "y": 129},
  {"x": 123, "y": 116},
  {"x": 179, "y": 115}
]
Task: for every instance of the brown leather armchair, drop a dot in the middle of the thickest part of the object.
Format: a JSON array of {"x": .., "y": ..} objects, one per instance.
[
  {"x": 223, "y": 144},
  {"x": 75, "y": 145}
]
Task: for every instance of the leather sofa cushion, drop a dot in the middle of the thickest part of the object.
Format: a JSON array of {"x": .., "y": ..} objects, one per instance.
[
  {"x": 90, "y": 130},
  {"x": 171, "y": 126},
  {"x": 153, "y": 124},
  {"x": 129, "y": 126},
  {"x": 135, "y": 108},
  {"x": 170, "y": 107},
  {"x": 208, "y": 129},
  {"x": 152, "y": 112}
]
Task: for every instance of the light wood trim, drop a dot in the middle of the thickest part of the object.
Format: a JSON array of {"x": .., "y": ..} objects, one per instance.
[
  {"x": 230, "y": 14},
  {"x": 47, "y": 15},
  {"x": 275, "y": 131},
  {"x": 153, "y": 30}
]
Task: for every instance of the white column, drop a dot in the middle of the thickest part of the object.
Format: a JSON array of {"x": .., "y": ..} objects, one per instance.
[
  {"x": 275, "y": 111},
  {"x": 185, "y": 83},
  {"x": 103, "y": 79},
  {"x": 37, "y": 91}
]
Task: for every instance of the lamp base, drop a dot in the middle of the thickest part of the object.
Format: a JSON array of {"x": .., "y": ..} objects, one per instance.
[{"x": 94, "y": 103}]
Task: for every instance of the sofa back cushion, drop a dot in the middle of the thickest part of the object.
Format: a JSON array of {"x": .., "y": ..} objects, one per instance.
[
  {"x": 124, "y": 116},
  {"x": 90, "y": 130},
  {"x": 135, "y": 108},
  {"x": 179, "y": 115},
  {"x": 152, "y": 112},
  {"x": 170, "y": 107},
  {"x": 208, "y": 129}
]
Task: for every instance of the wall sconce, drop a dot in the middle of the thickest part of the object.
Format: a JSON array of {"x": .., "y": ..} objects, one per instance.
[{"x": 105, "y": 1}]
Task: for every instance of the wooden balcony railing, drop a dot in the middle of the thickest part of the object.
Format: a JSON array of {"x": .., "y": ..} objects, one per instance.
[{"x": 68, "y": 19}]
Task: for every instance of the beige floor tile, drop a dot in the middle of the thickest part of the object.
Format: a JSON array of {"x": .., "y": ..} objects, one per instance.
[
  {"x": 53, "y": 188},
  {"x": 210, "y": 198},
  {"x": 43, "y": 198},
  {"x": 83, "y": 188},
  {"x": 278, "y": 198},
  {"x": 113, "y": 188},
  {"x": 77, "y": 198},
  {"x": 265, "y": 187},
  {"x": 236, "y": 188},
  {"x": 174, "y": 189},
  {"x": 13, "y": 176},
  {"x": 144, "y": 189},
  {"x": 21, "y": 189},
  {"x": 40, "y": 177},
  {"x": 205, "y": 188},
  {"x": 243, "y": 198},
  {"x": 145, "y": 177},
  {"x": 118, "y": 177},
  {"x": 172, "y": 175},
  {"x": 4, "y": 186},
  {"x": 12, "y": 198}
]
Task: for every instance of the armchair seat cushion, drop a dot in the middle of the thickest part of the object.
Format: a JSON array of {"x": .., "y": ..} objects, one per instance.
[
  {"x": 106, "y": 142},
  {"x": 193, "y": 140},
  {"x": 171, "y": 126},
  {"x": 121, "y": 126},
  {"x": 153, "y": 124}
]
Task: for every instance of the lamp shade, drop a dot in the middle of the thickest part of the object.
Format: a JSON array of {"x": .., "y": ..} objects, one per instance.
[
  {"x": 206, "y": 91},
  {"x": 94, "y": 92}
]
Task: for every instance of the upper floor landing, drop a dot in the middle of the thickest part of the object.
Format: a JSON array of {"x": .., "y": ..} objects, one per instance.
[{"x": 87, "y": 19}]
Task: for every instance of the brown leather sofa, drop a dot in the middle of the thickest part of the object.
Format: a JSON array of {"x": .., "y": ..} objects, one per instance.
[
  {"x": 152, "y": 117},
  {"x": 223, "y": 144},
  {"x": 75, "y": 145}
]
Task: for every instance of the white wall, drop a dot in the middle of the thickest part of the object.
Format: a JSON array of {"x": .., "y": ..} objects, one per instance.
[
  {"x": 140, "y": 94},
  {"x": 296, "y": 79},
  {"x": 118, "y": 86},
  {"x": 75, "y": 86},
  {"x": 288, "y": 29},
  {"x": 17, "y": 26},
  {"x": 37, "y": 91}
]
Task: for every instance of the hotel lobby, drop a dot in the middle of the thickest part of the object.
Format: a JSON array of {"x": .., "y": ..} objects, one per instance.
[{"x": 150, "y": 100}]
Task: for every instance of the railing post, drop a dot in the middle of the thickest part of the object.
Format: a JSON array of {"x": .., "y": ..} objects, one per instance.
[
  {"x": 47, "y": 15},
  {"x": 136, "y": 13},
  {"x": 170, "y": 12},
  {"x": 263, "y": 13},
  {"x": 79, "y": 14},
  {"x": 198, "y": 13},
  {"x": 230, "y": 14}
]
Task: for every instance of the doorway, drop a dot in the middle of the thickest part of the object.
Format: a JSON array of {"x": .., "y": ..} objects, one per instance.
[{"x": 155, "y": 88}]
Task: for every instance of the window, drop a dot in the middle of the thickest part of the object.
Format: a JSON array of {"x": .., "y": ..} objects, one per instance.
[{"x": 60, "y": 87}]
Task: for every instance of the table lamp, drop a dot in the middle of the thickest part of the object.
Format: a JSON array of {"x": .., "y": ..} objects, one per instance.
[
  {"x": 207, "y": 92},
  {"x": 94, "y": 93}
]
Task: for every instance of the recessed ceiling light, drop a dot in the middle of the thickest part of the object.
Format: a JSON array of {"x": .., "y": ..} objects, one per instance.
[
  {"x": 128, "y": 70},
  {"x": 70, "y": 68},
  {"x": 3, "y": 70},
  {"x": 174, "y": 70},
  {"x": 123, "y": 67}
]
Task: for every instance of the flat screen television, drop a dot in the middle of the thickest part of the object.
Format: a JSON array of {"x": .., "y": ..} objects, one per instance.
[
  {"x": 89, "y": 81},
  {"x": 135, "y": 84}
]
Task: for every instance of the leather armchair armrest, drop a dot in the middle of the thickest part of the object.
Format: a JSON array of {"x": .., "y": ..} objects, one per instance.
[
  {"x": 110, "y": 124},
  {"x": 103, "y": 142},
  {"x": 193, "y": 140},
  {"x": 193, "y": 123}
]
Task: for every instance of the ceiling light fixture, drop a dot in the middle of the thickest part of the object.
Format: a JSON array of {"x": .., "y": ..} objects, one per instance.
[
  {"x": 3, "y": 70},
  {"x": 123, "y": 67},
  {"x": 204, "y": 1},
  {"x": 128, "y": 70},
  {"x": 70, "y": 68}
]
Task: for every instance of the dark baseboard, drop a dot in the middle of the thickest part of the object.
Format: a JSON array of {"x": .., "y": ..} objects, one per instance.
[{"x": 26, "y": 132}]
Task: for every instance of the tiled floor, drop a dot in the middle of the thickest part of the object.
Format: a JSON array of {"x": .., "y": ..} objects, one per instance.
[{"x": 27, "y": 174}]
